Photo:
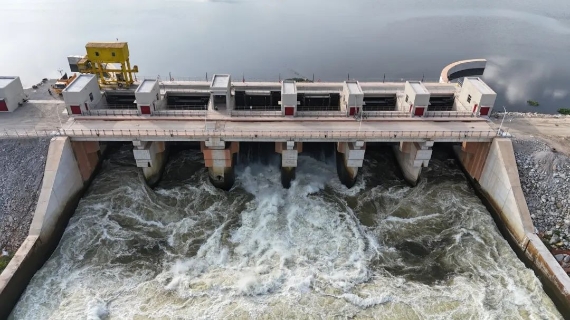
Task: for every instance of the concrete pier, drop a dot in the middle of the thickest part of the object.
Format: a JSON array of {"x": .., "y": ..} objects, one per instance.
[
  {"x": 87, "y": 154},
  {"x": 151, "y": 157},
  {"x": 220, "y": 158},
  {"x": 473, "y": 156},
  {"x": 412, "y": 156},
  {"x": 349, "y": 157},
  {"x": 289, "y": 153}
]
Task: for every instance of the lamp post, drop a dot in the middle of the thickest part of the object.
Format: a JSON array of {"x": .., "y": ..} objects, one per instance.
[{"x": 501, "y": 126}]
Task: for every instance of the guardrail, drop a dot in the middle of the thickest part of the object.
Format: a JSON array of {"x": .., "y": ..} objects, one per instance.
[
  {"x": 202, "y": 135},
  {"x": 255, "y": 113},
  {"x": 385, "y": 114},
  {"x": 270, "y": 113},
  {"x": 320, "y": 114},
  {"x": 448, "y": 114},
  {"x": 179, "y": 113},
  {"x": 110, "y": 112}
]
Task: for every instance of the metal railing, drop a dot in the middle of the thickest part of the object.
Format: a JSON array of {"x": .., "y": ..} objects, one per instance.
[
  {"x": 110, "y": 112},
  {"x": 386, "y": 114},
  {"x": 255, "y": 113},
  {"x": 270, "y": 113},
  {"x": 191, "y": 107},
  {"x": 448, "y": 114},
  {"x": 179, "y": 113},
  {"x": 319, "y": 114},
  {"x": 201, "y": 135}
]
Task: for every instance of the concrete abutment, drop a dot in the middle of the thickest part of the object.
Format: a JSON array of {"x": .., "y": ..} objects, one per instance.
[
  {"x": 289, "y": 153},
  {"x": 349, "y": 158},
  {"x": 412, "y": 157},
  {"x": 220, "y": 158},
  {"x": 87, "y": 155},
  {"x": 70, "y": 166},
  {"x": 493, "y": 170},
  {"x": 151, "y": 156}
]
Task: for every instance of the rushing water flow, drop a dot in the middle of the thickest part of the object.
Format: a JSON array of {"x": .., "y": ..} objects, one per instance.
[{"x": 187, "y": 250}]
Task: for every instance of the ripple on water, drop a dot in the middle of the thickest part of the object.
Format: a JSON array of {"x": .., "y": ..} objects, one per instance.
[{"x": 187, "y": 250}]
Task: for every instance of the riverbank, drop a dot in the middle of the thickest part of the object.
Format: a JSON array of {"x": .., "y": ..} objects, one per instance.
[
  {"x": 542, "y": 151},
  {"x": 22, "y": 165}
]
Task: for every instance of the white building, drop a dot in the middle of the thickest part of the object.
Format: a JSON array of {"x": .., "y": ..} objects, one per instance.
[
  {"x": 477, "y": 96},
  {"x": 289, "y": 98},
  {"x": 82, "y": 94},
  {"x": 354, "y": 97},
  {"x": 221, "y": 92},
  {"x": 11, "y": 93},
  {"x": 416, "y": 98},
  {"x": 147, "y": 96}
]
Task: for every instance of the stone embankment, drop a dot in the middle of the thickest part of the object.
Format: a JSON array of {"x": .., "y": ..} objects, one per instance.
[
  {"x": 499, "y": 115},
  {"x": 545, "y": 178},
  {"x": 21, "y": 171}
]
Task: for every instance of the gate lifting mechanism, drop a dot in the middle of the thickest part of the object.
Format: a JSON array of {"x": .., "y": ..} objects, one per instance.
[{"x": 109, "y": 61}]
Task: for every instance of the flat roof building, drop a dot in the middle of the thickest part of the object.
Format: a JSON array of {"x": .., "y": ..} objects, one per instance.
[{"x": 11, "y": 93}]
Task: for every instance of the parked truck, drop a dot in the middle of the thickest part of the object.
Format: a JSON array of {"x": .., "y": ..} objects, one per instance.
[{"x": 62, "y": 83}]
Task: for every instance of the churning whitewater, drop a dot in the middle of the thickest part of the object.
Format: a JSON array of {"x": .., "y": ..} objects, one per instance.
[{"x": 189, "y": 251}]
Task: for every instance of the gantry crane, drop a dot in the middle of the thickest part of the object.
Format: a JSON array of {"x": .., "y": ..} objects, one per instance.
[{"x": 109, "y": 61}]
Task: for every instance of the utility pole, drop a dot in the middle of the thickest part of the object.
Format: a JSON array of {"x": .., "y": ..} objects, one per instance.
[{"x": 501, "y": 126}]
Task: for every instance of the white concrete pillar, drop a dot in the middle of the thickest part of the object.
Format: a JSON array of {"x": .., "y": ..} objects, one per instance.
[
  {"x": 349, "y": 157},
  {"x": 151, "y": 157},
  {"x": 219, "y": 159},
  {"x": 412, "y": 156},
  {"x": 289, "y": 153}
]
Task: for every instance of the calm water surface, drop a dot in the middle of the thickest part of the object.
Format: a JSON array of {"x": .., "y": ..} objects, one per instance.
[{"x": 526, "y": 41}]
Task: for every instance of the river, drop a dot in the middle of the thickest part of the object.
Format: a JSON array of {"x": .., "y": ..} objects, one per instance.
[
  {"x": 186, "y": 250},
  {"x": 525, "y": 41}
]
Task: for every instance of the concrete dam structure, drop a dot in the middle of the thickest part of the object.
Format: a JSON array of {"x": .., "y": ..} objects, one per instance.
[{"x": 220, "y": 114}]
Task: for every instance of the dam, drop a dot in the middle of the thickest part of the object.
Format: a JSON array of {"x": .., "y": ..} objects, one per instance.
[{"x": 359, "y": 206}]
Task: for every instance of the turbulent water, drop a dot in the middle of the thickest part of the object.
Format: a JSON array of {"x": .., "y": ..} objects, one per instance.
[{"x": 318, "y": 250}]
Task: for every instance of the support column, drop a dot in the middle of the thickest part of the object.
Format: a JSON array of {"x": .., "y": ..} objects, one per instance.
[
  {"x": 219, "y": 158},
  {"x": 412, "y": 156},
  {"x": 473, "y": 156},
  {"x": 151, "y": 157},
  {"x": 289, "y": 152},
  {"x": 87, "y": 154},
  {"x": 349, "y": 157}
]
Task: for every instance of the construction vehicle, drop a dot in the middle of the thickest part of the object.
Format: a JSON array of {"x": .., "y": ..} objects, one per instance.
[
  {"x": 62, "y": 83},
  {"x": 109, "y": 61}
]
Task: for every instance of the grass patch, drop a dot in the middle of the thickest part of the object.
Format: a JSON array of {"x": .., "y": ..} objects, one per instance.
[
  {"x": 532, "y": 103},
  {"x": 300, "y": 79},
  {"x": 4, "y": 262},
  {"x": 564, "y": 111}
]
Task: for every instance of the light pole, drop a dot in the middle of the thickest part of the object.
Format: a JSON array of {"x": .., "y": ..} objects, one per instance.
[{"x": 501, "y": 126}]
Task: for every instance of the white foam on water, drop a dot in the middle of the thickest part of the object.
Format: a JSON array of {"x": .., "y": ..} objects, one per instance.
[{"x": 262, "y": 251}]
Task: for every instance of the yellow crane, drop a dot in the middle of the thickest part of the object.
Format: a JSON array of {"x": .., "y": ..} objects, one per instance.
[{"x": 109, "y": 61}]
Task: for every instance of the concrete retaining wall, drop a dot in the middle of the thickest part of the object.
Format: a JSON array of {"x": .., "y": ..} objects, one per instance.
[
  {"x": 500, "y": 185},
  {"x": 62, "y": 187},
  {"x": 62, "y": 180},
  {"x": 451, "y": 71}
]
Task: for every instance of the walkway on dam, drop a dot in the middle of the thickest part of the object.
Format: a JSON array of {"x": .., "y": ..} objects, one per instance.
[{"x": 388, "y": 130}]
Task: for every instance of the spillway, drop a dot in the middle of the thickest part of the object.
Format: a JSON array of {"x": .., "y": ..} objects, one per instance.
[{"x": 379, "y": 250}]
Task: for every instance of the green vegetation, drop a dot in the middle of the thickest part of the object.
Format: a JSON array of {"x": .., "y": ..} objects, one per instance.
[
  {"x": 533, "y": 103},
  {"x": 564, "y": 111},
  {"x": 4, "y": 262},
  {"x": 300, "y": 79}
]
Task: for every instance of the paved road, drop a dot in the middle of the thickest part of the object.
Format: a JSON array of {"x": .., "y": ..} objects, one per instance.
[
  {"x": 277, "y": 131},
  {"x": 554, "y": 131}
]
